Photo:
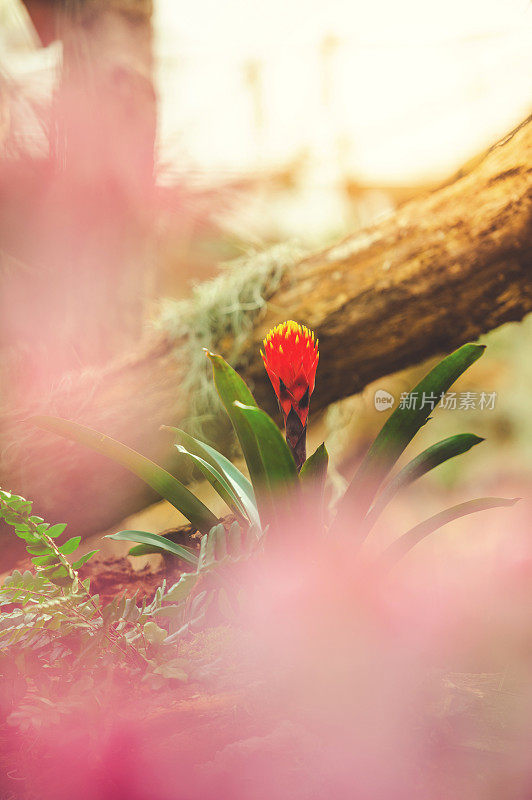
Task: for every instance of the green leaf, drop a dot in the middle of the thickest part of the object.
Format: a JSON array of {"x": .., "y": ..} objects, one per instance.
[
  {"x": 148, "y": 550},
  {"x": 277, "y": 461},
  {"x": 408, "y": 540},
  {"x": 427, "y": 460},
  {"x": 234, "y": 540},
  {"x": 247, "y": 421},
  {"x": 70, "y": 546},
  {"x": 181, "y": 590},
  {"x": 217, "y": 481},
  {"x": 229, "y": 384},
  {"x": 276, "y": 471},
  {"x": 155, "y": 539},
  {"x": 153, "y": 633},
  {"x": 39, "y": 549},
  {"x": 313, "y": 476},
  {"x": 56, "y": 530},
  {"x": 207, "y": 554},
  {"x": 83, "y": 560},
  {"x": 314, "y": 470},
  {"x": 156, "y": 477},
  {"x": 40, "y": 561},
  {"x": 240, "y": 485},
  {"x": 400, "y": 428},
  {"x": 231, "y": 388},
  {"x": 61, "y": 572}
]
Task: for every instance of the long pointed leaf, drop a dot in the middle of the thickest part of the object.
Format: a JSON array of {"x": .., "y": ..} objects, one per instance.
[
  {"x": 408, "y": 540},
  {"x": 314, "y": 470},
  {"x": 400, "y": 428},
  {"x": 158, "y": 478},
  {"x": 276, "y": 469},
  {"x": 313, "y": 476},
  {"x": 217, "y": 481},
  {"x": 278, "y": 461},
  {"x": 150, "y": 549},
  {"x": 427, "y": 460},
  {"x": 158, "y": 541},
  {"x": 231, "y": 388},
  {"x": 241, "y": 485}
]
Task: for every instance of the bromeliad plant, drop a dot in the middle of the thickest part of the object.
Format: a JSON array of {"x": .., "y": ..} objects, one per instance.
[
  {"x": 291, "y": 358},
  {"x": 278, "y": 468}
]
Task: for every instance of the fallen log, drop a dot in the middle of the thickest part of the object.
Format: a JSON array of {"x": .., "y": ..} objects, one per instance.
[{"x": 443, "y": 269}]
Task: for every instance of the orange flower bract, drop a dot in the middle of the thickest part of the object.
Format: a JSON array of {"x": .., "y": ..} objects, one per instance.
[{"x": 291, "y": 357}]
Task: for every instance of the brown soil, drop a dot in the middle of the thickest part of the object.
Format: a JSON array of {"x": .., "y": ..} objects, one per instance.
[{"x": 113, "y": 577}]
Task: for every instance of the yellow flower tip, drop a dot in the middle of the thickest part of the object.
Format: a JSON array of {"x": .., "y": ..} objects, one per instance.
[{"x": 287, "y": 329}]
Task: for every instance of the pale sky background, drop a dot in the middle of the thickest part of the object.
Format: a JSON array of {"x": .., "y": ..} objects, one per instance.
[
  {"x": 380, "y": 90},
  {"x": 407, "y": 90}
]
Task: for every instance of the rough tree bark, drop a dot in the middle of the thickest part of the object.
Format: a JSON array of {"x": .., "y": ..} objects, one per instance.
[{"x": 440, "y": 271}]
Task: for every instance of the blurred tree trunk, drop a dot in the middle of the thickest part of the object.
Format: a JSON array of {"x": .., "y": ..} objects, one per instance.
[
  {"x": 79, "y": 219},
  {"x": 442, "y": 270}
]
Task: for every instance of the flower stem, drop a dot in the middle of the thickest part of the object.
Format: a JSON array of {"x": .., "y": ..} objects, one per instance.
[{"x": 296, "y": 438}]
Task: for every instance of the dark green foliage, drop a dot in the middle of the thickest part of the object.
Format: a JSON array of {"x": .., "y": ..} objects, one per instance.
[
  {"x": 429, "y": 459},
  {"x": 268, "y": 458},
  {"x": 274, "y": 486},
  {"x": 401, "y": 427}
]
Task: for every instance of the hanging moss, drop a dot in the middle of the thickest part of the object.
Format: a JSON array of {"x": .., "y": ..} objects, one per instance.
[{"x": 223, "y": 308}]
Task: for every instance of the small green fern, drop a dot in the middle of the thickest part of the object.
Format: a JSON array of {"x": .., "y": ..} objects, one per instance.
[{"x": 51, "y": 624}]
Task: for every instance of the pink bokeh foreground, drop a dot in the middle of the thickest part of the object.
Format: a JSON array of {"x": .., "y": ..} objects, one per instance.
[{"x": 339, "y": 679}]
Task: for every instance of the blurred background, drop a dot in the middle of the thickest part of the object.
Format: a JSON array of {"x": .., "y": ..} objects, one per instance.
[{"x": 143, "y": 144}]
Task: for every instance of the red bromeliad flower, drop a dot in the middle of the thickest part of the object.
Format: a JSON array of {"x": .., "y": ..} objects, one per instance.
[{"x": 291, "y": 358}]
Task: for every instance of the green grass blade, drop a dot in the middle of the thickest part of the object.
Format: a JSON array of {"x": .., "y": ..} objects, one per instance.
[
  {"x": 157, "y": 541},
  {"x": 158, "y": 478},
  {"x": 408, "y": 540},
  {"x": 427, "y": 460},
  {"x": 400, "y": 428},
  {"x": 241, "y": 486}
]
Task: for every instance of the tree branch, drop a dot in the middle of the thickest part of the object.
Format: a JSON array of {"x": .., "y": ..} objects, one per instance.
[{"x": 441, "y": 270}]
